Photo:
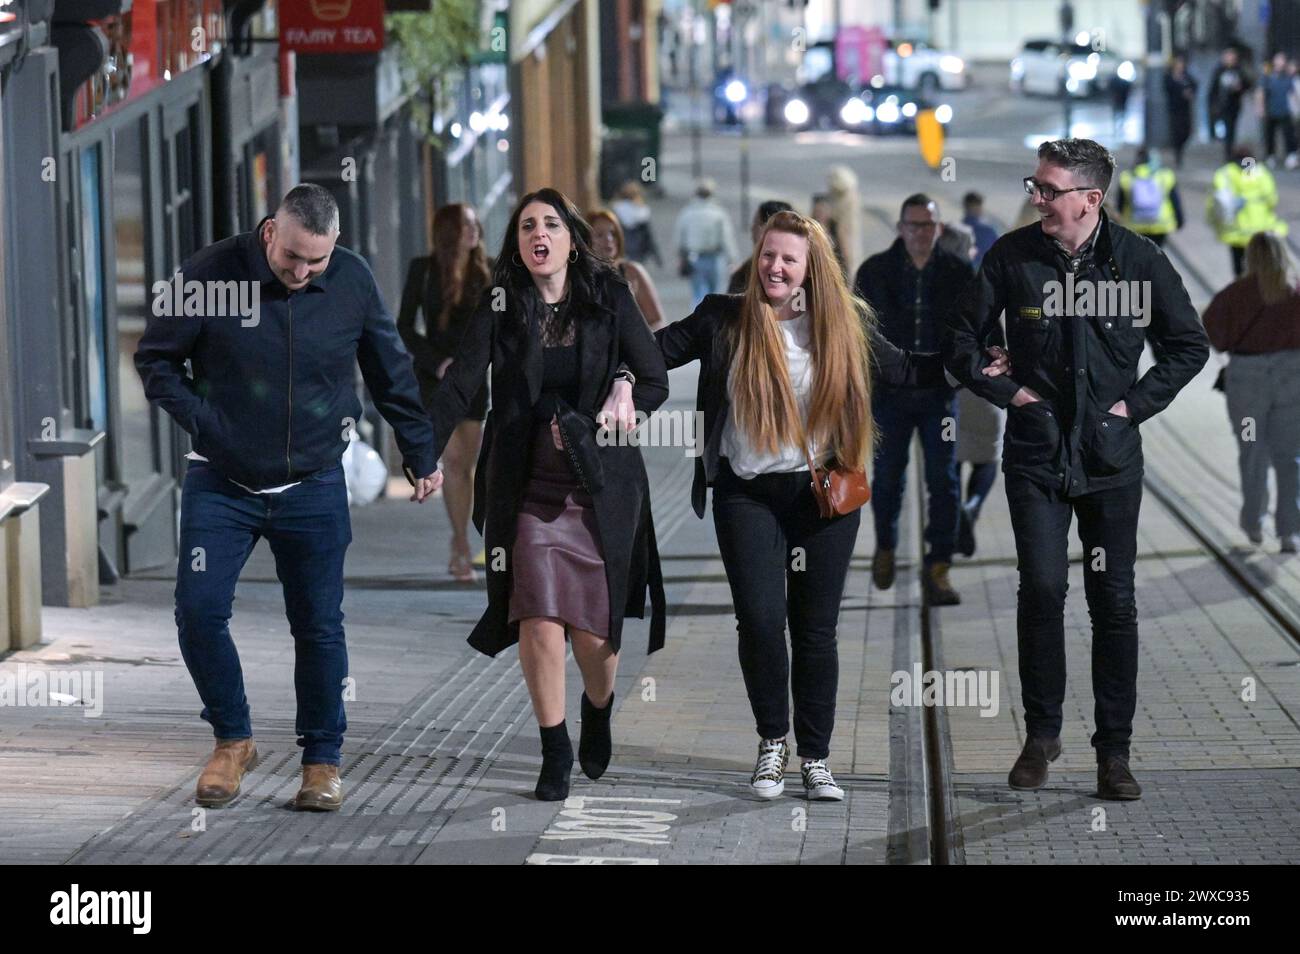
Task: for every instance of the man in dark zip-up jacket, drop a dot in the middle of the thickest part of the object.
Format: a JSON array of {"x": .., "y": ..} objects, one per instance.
[
  {"x": 273, "y": 324},
  {"x": 1081, "y": 296},
  {"x": 911, "y": 285}
]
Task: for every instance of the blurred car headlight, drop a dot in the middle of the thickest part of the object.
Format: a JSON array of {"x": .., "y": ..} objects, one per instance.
[
  {"x": 796, "y": 112},
  {"x": 1017, "y": 68},
  {"x": 735, "y": 91},
  {"x": 888, "y": 112},
  {"x": 1072, "y": 86},
  {"x": 909, "y": 110},
  {"x": 1126, "y": 71},
  {"x": 951, "y": 64},
  {"x": 943, "y": 113},
  {"x": 1081, "y": 70},
  {"x": 855, "y": 112}
]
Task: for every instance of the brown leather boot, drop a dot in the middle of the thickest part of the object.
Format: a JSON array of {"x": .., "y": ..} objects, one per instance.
[
  {"x": 937, "y": 587},
  {"x": 1030, "y": 771},
  {"x": 321, "y": 789},
  {"x": 220, "y": 778}
]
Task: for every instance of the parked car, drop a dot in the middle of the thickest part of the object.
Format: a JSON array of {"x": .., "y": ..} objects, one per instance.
[
  {"x": 913, "y": 64},
  {"x": 881, "y": 109},
  {"x": 1050, "y": 67}
]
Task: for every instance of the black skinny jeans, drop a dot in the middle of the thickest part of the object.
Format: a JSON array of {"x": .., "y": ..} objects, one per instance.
[
  {"x": 1108, "y": 520},
  {"x": 784, "y": 561}
]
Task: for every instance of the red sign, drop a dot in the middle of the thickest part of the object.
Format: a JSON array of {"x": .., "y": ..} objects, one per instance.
[{"x": 332, "y": 26}]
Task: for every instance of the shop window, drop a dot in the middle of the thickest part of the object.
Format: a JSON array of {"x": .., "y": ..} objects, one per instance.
[{"x": 137, "y": 453}]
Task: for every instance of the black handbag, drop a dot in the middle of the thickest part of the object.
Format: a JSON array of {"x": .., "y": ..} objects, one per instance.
[{"x": 578, "y": 435}]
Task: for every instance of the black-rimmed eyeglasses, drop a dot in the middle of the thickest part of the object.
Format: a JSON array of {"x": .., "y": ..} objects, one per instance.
[{"x": 1048, "y": 193}]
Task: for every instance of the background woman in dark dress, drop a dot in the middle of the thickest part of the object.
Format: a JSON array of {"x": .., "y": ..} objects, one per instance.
[
  {"x": 441, "y": 294},
  {"x": 566, "y": 518}
]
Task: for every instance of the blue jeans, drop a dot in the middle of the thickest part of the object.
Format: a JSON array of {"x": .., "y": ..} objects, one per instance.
[
  {"x": 309, "y": 530},
  {"x": 708, "y": 276},
  {"x": 898, "y": 414}
]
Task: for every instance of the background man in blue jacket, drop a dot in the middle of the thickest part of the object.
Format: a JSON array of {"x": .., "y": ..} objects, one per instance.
[
  {"x": 911, "y": 285},
  {"x": 269, "y": 402}
]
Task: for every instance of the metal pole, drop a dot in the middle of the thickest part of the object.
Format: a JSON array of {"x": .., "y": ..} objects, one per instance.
[
  {"x": 697, "y": 162},
  {"x": 1067, "y": 41},
  {"x": 744, "y": 171},
  {"x": 1155, "y": 109}
]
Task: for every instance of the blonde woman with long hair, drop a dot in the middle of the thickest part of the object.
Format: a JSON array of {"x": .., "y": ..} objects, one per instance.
[
  {"x": 791, "y": 359},
  {"x": 1256, "y": 320}
]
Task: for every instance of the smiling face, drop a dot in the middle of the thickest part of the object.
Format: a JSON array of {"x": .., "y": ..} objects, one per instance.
[
  {"x": 544, "y": 240},
  {"x": 603, "y": 240},
  {"x": 1068, "y": 208},
  {"x": 782, "y": 265},
  {"x": 295, "y": 255}
]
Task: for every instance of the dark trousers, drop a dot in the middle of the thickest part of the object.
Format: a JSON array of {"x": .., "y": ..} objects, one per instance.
[
  {"x": 308, "y": 530},
  {"x": 1229, "y": 119},
  {"x": 1238, "y": 259},
  {"x": 933, "y": 414},
  {"x": 978, "y": 484},
  {"x": 785, "y": 561},
  {"x": 1272, "y": 126},
  {"x": 1040, "y": 518}
]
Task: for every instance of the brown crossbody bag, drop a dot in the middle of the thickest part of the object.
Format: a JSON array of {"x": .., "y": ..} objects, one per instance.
[{"x": 839, "y": 490}]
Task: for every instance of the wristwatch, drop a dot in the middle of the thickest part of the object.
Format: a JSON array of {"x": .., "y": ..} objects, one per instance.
[{"x": 626, "y": 375}]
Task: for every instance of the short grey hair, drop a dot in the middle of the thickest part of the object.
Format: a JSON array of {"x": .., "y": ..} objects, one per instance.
[
  {"x": 1090, "y": 161},
  {"x": 312, "y": 207}
]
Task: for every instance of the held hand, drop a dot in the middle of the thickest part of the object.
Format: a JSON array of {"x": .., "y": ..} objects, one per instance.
[
  {"x": 1120, "y": 409},
  {"x": 1025, "y": 396},
  {"x": 1001, "y": 362},
  {"x": 442, "y": 368},
  {"x": 555, "y": 434},
  {"x": 426, "y": 487},
  {"x": 618, "y": 409}
]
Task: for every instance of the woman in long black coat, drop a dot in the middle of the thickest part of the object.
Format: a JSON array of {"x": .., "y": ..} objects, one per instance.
[{"x": 565, "y": 517}]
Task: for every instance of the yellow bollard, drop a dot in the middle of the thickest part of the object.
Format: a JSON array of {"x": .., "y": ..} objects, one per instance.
[{"x": 929, "y": 136}]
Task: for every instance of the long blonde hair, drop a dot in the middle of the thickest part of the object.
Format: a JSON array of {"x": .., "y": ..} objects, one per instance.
[
  {"x": 1269, "y": 262},
  {"x": 839, "y": 413}
]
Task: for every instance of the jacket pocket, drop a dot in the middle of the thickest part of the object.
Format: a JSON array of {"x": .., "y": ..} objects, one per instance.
[
  {"x": 1032, "y": 434},
  {"x": 1113, "y": 446},
  {"x": 1122, "y": 341}
]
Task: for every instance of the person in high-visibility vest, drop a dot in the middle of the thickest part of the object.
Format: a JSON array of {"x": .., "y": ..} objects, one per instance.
[
  {"x": 1243, "y": 201},
  {"x": 1148, "y": 198}
]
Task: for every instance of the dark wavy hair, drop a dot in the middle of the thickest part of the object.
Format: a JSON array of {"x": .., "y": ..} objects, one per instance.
[{"x": 509, "y": 272}]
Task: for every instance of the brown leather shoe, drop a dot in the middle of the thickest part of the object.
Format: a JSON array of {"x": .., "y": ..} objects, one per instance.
[
  {"x": 321, "y": 789},
  {"x": 1030, "y": 771},
  {"x": 882, "y": 569},
  {"x": 220, "y": 778},
  {"x": 1115, "y": 782},
  {"x": 937, "y": 588}
]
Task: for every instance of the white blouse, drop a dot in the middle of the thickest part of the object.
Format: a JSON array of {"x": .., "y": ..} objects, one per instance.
[{"x": 747, "y": 461}]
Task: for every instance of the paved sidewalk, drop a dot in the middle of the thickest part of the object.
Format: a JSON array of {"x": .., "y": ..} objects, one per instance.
[{"x": 442, "y": 749}]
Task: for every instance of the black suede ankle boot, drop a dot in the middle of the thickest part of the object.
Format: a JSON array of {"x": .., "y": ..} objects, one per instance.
[
  {"x": 594, "y": 743},
  {"x": 557, "y": 763}
]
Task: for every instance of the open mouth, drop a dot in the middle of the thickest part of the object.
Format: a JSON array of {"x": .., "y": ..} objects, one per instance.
[{"x": 540, "y": 253}]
